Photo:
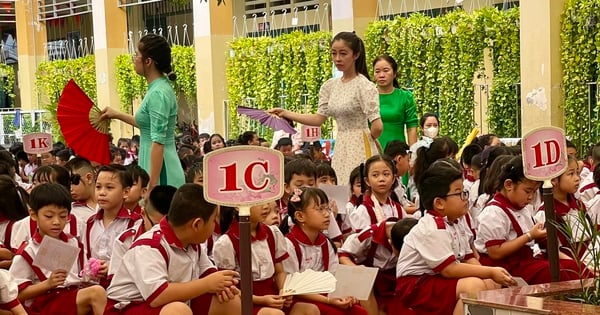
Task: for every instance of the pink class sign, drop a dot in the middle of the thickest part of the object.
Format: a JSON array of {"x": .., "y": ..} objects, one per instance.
[
  {"x": 243, "y": 176},
  {"x": 544, "y": 153}
]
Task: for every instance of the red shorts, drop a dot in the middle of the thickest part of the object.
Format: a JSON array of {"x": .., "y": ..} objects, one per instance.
[
  {"x": 427, "y": 294},
  {"x": 327, "y": 309},
  {"x": 134, "y": 308},
  {"x": 201, "y": 304},
  {"x": 57, "y": 301},
  {"x": 384, "y": 288}
]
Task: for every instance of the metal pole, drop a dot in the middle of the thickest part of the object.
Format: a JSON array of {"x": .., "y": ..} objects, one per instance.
[
  {"x": 245, "y": 261},
  {"x": 551, "y": 229}
]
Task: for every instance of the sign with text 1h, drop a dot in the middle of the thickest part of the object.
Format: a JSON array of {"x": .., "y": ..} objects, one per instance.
[
  {"x": 243, "y": 175},
  {"x": 37, "y": 143},
  {"x": 310, "y": 133},
  {"x": 544, "y": 153}
]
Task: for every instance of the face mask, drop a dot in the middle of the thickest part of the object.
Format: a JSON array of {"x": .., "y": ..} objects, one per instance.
[{"x": 430, "y": 132}]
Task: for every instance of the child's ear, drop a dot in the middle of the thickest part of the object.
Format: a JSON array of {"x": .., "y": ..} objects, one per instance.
[
  {"x": 89, "y": 178},
  {"x": 126, "y": 191},
  {"x": 438, "y": 203},
  {"x": 299, "y": 216},
  {"x": 144, "y": 192},
  {"x": 287, "y": 188},
  {"x": 554, "y": 181},
  {"x": 32, "y": 214},
  {"x": 197, "y": 224},
  {"x": 508, "y": 184}
]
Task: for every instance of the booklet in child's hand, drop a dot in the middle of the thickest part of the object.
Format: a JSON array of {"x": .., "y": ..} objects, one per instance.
[
  {"x": 55, "y": 254},
  {"x": 520, "y": 281},
  {"x": 356, "y": 281}
]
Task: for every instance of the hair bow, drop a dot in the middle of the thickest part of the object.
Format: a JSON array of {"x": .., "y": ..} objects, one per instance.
[{"x": 296, "y": 195}]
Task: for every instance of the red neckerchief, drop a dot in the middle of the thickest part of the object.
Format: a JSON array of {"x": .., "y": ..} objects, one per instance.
[
  {"x": 37, "y": 237},
  {"x": 170, "y": 236}
]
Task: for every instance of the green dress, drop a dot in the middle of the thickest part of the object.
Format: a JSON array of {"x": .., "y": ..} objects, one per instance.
[
  {"x": 156, "y": 118},
  {"x": 397, "y": 109}
]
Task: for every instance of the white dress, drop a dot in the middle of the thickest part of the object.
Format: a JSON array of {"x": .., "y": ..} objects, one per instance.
[{"x": 353, "y": 105}]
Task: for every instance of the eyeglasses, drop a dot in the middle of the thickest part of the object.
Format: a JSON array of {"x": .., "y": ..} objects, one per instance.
[
  {"x": 324, "y": 209},
  {"x": 75, "y": 179},
  {"x": 464, "y": 195}
]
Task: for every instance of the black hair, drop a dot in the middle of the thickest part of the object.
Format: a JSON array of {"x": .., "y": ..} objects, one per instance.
[
  {"x": 226, "y": 217},
  {"x": 395, "y": 148},
  {"x": 185, "y": 150},
  {"x": 79, "y": 163},
  {"x": 570, "y": 159},
  {"x": 194, "y": 169},
  {"x": 392, "y": 63},
  {"x": 512, "y": 170},
  {"x": 354, "y": 175},
  {"x": 358, "y": 47},
  {"x": 119, "y": 171},
  {"x": 157, "y": 48},
  {"x": 440, "y": 148},
  {"x": 7, "y": 169},
  {"x": 204, "y": 135},
  {"x": 570, "y": 144},
  {"x": 64, "y": 154},
  {"x": 123, "y": 140},
  {"x": 488, "y": 155},
  {"x": 299, "y": 167},
  {"x": 595, "y": 153},
  {"x": 436, "y": 180},
  {"x": 492, "y": 182},
  {"x": 283, "y": 142},
  {"x": 138, "y": 174},
  {"x": 427, "y": 115},
  {"x": 159, "y": 199},
  {"x": 7, "y": 157},
  {"x": 21, "y": 155},
  {"x": 468, "y": 153},
  {"x": 53, "y": 174},
  {"x": 114, "y": 151},
  {"x": 476, "y": 162},
  {"x": 14, "y": 201},
  {"x": 207, "y": 146},
  {"x": 325, "y": 169},
  {"x": 16, "y": 148},
  {"x": 50, "y": 194},
  {"x": 400, "y": 230},
  {"x": 364, "y": 173},
  {"x": 485, "y": 140},
  {"x": 246, "y": 137},
  {"x": 597, "y": 176},
  {"x": 188, "y": 203},
  {"x": 135, "y": 139},
  {"x": 309, "y": 194}
]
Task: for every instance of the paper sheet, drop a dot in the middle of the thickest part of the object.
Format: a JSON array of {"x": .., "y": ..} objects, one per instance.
[
  {"x": 356, "y": 281},
  {"x": 55, "y": 254},
  {"x": 520, "y": 281},
  {"x": 339, "y": 193}
]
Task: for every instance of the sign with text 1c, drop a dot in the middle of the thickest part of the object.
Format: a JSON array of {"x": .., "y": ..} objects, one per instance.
[
  {"x": 544, "y": 153},
  {"x": 310, "y": 133},
  {"x": 37, "y": 143},
  {"x": 243, "y": 175}
]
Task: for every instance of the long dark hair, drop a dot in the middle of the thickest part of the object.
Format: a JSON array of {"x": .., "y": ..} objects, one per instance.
[
  {"x": 358, "y": 47},
  {"x": 392, "y": 63},
  {"x": 157, "y": 48}
]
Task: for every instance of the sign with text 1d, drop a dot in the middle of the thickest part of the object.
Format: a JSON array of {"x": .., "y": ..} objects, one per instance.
[
  {"x": 37, "y": 143},
  {"x": 310, "y": 133},
  {"x": 544, "y": 153},
  {"x": 243, "y": 175}
]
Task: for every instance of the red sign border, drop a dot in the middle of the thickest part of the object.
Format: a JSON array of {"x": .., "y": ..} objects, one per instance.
[
  {"x": 35, "y": 134},
  {"x": 523, "y": 150},
  {"x": 242, "y": 149}
]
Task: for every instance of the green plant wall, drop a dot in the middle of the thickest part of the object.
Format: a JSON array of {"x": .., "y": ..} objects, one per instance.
[
  {"x": 51, "y": 78},
  {"x": 438, "y": 58},
  {"x": 286, "y": 71}
]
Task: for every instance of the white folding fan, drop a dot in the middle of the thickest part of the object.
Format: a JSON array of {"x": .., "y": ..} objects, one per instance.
[{"x": 308, "y": 282}]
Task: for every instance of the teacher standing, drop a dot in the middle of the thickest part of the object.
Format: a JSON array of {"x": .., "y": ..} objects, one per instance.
[
  {"x": 353, "y": 101},
  {"x": 397, "y": 106},
  {"x": 157, "y": 116}
]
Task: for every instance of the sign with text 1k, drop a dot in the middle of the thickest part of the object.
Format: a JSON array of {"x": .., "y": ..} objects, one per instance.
[
  {"x": 243, "y": 175},
  {"x": 544, "y": 153},
  {"x": 37, "y": 143}
]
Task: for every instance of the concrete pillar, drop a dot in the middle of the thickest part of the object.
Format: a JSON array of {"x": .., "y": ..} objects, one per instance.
[
  {"x": 31, "y": 37},
  {"x": 541, "y": 71},
  {"x": 213, "y": 29},
  {"x": 352, "y": 15},
  {"x": 110, "y": 33}
]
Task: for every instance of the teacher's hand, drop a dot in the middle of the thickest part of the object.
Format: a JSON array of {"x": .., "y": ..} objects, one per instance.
[
  {"x": 109, "y": 113},
  {"x": 279, "y": 112}
]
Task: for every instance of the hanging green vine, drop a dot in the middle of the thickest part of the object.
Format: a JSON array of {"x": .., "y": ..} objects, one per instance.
[
  {"x": 52, "y": 76},
  {"x": 8, "y": 73},
  {"x": 580, "y": 58},
  {"x": 286, "y": 71},
  {"x": 184, "y": 65},
  {"x": 130, "y": 85}
]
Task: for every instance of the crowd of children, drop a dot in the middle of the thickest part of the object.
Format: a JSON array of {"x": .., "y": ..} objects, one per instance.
[{"x": 456, "y": 228}]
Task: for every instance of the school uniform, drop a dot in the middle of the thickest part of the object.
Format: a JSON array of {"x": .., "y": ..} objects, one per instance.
[
  {"x": 137, "y": 209},
  {"x": 210, "y": 242},
  {"x": 121, "y": 245},
  {"x": 333, "y": 231},
  {"x": 98, "y": 240},
  {"x": 501, "y": 221},
  {"x": 318, "y": 256},
  {"x": 593, "y": 209},
  {"x": 6, "y": 230},
  {"x": 371, "y": 248},
  {"x": 82, "y": 212},
  {"x": 8, "y": 291},
  {"x": 372, "y": 211},
  {"x": 60, "y": 300},
  {"x": 268, "y": 249},
  {"x": 154, "y": 260},
  {"x": 432, "y": 245},
  {"x": 23, "y": 229},
  {"x": 587, "y": 188}
]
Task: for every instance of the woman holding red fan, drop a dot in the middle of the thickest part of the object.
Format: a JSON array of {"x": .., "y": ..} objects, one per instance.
[{"x": 157, "y": 116}]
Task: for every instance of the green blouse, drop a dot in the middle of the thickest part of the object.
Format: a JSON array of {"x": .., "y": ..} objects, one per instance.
[{"x": 397, "y": 110}]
